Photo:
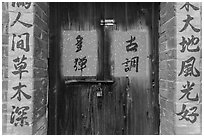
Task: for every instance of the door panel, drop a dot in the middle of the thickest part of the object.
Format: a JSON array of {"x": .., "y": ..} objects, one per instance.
[{"x": 127, "y": 104}]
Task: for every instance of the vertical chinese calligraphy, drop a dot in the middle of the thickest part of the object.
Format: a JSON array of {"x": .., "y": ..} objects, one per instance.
[
  {"x": 19, "y": 50},
  {"x": 189, "y": 70},
  {"x": 133, "y": 62}
]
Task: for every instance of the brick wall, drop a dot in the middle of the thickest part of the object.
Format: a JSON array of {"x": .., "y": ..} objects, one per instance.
[
  {"x": 25, "y": 76},
  {"x": 180, "y": 113},
  {"x": 5, "y": 20}
]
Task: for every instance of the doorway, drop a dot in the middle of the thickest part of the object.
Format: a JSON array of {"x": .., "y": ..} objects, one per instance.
[{"x": 103, "y": 69}]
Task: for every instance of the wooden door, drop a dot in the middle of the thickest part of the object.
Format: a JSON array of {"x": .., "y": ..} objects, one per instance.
[{"x": 119, "y": 93}]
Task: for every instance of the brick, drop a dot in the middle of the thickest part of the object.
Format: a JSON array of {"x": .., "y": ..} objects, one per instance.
[
  {"x": 171, "y": 90},
  {"x": 5, "y": 29},
  {"x": 4, "y": 85},
  {"x": 4, "y": 107},
  {"x": 171, "y": 32},
  {"x": 163, "y": 93},
  {"x": 4, "y": 6},
  {"x": 5, "y": 39},
  {"x": 39, "y": 63},
  {"x": 4, "y": 72},
  {"x": 39, "y": 73},
  {"x": 171, "y": 54},
  {"x": 171, "y": 43},
  {"x": 171, "y": 75},
  {"x": 44, "y": 17},
  {"x": 163, "y": 65},
  {"x": 44, "y": 36},
  {"x": 170, "y": 106},
  {"x": 41, "y": 24},
  {"x": 4, "y": 96},
  {"x": 162, "y": 46},
  {"x": 37, "y": 48},
  {"x": 171, "y": 64},
  {"x": 162, "y": 38},
  {"x": 38, "y": 113},
  {"x": 43, "y": 6},
  {"x": 171, "y": 23},
  {"x": 170, "y": 13},
  {"x": 162, "y": 84},
  {"x": 37, "y": 10},
  {"x": 5, "y": 61},
  {"x": 5, "y": 17},
  {"x": 163, "y": 75},
  {"x": 4, "y": 51},
  {"x": 37, "y": 31},
  {"x": 162, "y": 56},
  {"x": 163, "y": 102}
]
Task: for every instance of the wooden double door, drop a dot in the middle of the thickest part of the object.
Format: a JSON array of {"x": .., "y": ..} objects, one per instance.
[{"x": 120, "y": 95}]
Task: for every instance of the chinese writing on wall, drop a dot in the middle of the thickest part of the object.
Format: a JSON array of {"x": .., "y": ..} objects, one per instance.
[
  {"x": 19, "y": 93},
  {"x": 189, "y": 51}
]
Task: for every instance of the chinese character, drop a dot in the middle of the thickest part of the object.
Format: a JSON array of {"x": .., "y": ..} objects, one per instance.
[
  {"x": 132, "y": 63},
  {"x": 18, "y": 116},
  {"x": 131, "y": 46},
  {"x": 23, "y": 23},
  {"x": 22, "y": 4},
  {"x": 185, "y": 114},
  {"x": 187, "y": 68},
  {"x": 19, "y": 92},
  {"x": 187, "y": 22},
  {"x": 190, "y": 42},
  {"x": 186, "y": 91},
  {"x": 187, "y": 4},
  {"x": 21, "y": 43},
  {"x": 79, "y": 43},
  {"x": 20, "y": 66},
  {"x": 80, "y": 63}
]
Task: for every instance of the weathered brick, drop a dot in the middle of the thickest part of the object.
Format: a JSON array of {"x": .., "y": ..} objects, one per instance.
[
  {"x": 5, "y": 61},
  {"x": 4, "y": 85},
  {"x": 5, "y": 39},
  {"x": 4, "y": 72},
  {"x": 171, "y": 32},
  {"x": 171, "y": 75},
  {"x": 162, "y": 84},
  {"x": 4, "y": 6},
  {"x": 5, "y": 17},
  {"x": 41, "y": 24},
  {"x": 37, "y": 32},
  {"x": 43, "y": 6},
  {"x": 171, "y": 64},
  {"x": 172, "y": 54},
  {"x": 39, "y": 63},
  {"x": 163, "y": 93},
  {"x": 163, "y": 65},
  {"x": 39, "y": 73},
  {"x": 170, "y": 106},
  {"x": 4, "y": 107},
  {"x": 171, "y": 43},
  {"x": 38, "y": 113},
  {"x": 163, "y": 74},
  {"x": 162, "y": 56},
  {"x": 162, "y": 46},
  {"x": 162, "y": 38},
  {"x": 44, "y": 36},
  {"x": 170, "y": 13},
  {"x": 163, "y": 102},
  {"x": 4, "y": 51},
  {"x": 171, "y": 90}
]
